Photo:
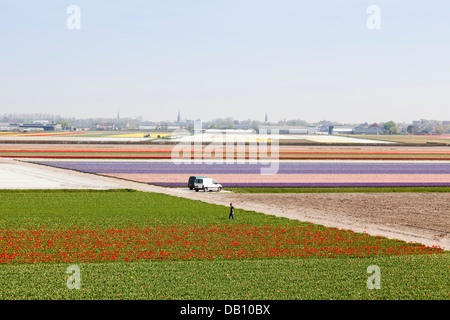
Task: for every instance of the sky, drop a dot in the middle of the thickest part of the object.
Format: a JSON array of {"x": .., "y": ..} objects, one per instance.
[{"x": 289, "y": 59}]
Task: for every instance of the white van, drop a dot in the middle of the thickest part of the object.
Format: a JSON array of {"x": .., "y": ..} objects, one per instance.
[{"x": 206, "y": 184}]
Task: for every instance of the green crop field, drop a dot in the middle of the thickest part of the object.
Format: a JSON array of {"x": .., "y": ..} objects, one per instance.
[{"x": 136, "y": 245}]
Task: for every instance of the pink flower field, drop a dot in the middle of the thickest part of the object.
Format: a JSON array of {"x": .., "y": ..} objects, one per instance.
[
  {"x": 286, "y": 174},
  {"x": 289, "y": 178}
]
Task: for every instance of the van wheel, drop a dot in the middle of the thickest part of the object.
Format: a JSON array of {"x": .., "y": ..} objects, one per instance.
[
  {"x": 190, "y": 188},
  {"x": 196, "y": 190},
  {"x": 220, "y": 189}
]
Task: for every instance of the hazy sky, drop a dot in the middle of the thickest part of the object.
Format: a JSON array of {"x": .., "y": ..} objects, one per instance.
[{"x": 312, "y": 60}]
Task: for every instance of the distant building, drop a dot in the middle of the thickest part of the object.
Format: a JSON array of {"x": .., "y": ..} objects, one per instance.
[
  {"x": 38, "y": 126},
  {"x": 368, "y": 130},
  {"x": 40, "y": 122},
  {"x": 147, "y": 127},
  {"x": 313, "y": 129},
  {"x": 341, "y": 130},
  {"x": 108, "y": 126},
  {"x": 8, "y": 127},
  {"x": 229, "y": 131},
  {"x": 285, "y": 129}
]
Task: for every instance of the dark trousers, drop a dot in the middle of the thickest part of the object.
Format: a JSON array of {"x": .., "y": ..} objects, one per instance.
[{"x": 231, "y": 216}]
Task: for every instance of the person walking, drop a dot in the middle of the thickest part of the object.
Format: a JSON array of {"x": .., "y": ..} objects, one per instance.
[{"x": 231, "y": 216}]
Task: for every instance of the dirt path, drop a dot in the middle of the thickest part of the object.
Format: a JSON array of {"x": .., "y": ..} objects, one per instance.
[{"x": 416, "y": 217}]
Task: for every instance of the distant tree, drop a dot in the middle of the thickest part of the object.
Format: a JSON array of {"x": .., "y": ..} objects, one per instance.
[
  {"x": 220, "y": 123},
  {"x": 297, "y": 122},
  {"x": 229, "y": 123},
  {"x": 390, "y": 127},
  {"x": 410, "y": 129},
  {"x": 429, "y": 129},
  {"x": 255, "y": 125},
  {"x": 446, "y": 128},
  {"x": 64, "y": 124},
  {"x": 363, "y": 125},
  {"x": 439, "y": 130}
]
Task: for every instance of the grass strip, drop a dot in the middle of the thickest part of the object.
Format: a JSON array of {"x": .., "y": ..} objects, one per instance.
[
  {"x": 56, "y": 191},
  {"x": 336, "y": 189},
  {"x": 402, "y": 278}
]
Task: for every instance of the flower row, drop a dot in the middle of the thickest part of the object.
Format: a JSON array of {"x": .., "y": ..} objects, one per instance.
[{"x": 187, "y": 242}]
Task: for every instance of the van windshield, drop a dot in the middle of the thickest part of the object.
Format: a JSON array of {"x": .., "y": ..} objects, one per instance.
[{"x": 199, "y": 181}]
